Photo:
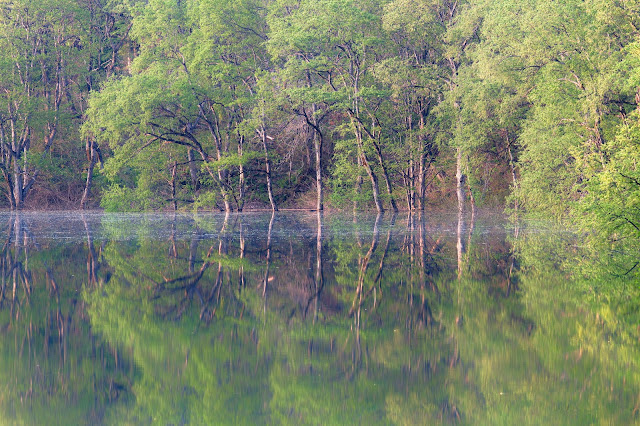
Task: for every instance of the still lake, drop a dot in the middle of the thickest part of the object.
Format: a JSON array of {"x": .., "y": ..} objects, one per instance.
[{"x": 298, "y": 318}]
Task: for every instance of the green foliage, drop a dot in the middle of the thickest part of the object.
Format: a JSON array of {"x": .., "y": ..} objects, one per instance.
[
  {"x": 119, "y": 198},
  {"x": 537, "y": 97},
  {"x": 174, "y": 323},
  {"x": 612, "y": 202},
  {"x": 67, "y": 374}
]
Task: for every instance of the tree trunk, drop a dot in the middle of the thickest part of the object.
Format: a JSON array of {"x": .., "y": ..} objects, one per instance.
[
  {"x": 214, "y": 130},
  {"x": 93, "y": 159},
  {"x": 174, "y": 170},
  {"x": 263, "y": 137},
  {"x": 385, "y": 175},
  {"x": 357, "y": 124},
  {"x": 365, "y": 162},
  {"x": 17, "y": 186},
  {"x": 223, "y": 190},
  {"x": 241, "y": 182},
  {"x": 460, "y": 246},
  {"x": 88, "y": 183},
  {"x": 408, "y": 186},
  {"x": 513, "y": 170},
  {"x": 317, "y": 146},
  {"x": 374, "y": 182},
  {"x": 422, "y": 174},
  {"x": 358, "y": 186},
  {"x": 193, "y": 171},
  {"x": 459, "y": 181}
]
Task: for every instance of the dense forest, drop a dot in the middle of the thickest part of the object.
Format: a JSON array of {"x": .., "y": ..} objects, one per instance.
[{"x": 376, "y": 104}]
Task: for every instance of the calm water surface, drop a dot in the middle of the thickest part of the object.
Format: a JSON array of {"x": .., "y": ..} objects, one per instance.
[{"x": 304, "y": 319}]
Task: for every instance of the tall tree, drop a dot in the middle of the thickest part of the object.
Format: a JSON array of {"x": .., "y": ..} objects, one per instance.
[
  {"x": 108, "y": 52},
  {"x": 188, "y": 88},
  {"x": 339, "y": 43},
  {"x": 41, "y": 62},
  {"x": 576, "y": 98}
]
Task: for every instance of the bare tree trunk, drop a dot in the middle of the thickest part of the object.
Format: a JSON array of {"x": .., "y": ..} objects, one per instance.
[
  {"x": 174, "y": 170},
  {"x": 317, "y": 146},
  {"x": 358, "y": 186},
  {"x": 422, "y": 189},
  {"x": 5, "y": 158},
  {"x": 513, "y": 170},
  {"x": 358, "y": 130},
  {"x": 263, "y": 137},
  {"x": 461, "y": 249},
  {"x": 422, "y": 171},
  {"x": 409, "y": 192},
  {"x": 93, "y": 155},
  {"x": 385, "y": 175},
  {"x": 410, "y": 181},
  {"x": 16, "y": 150},
  {"x": 365, "y": 162},
  {"x": 459, "y": 181},
  {"x": 193, "y": 170},
  {"x": 241, "y": 182},
  {"x": 87, "y": 185},
  {"x": 374, "y": 183},
  {"x": 357, "y": 124},
  {"x": 214, "y": 129},
  {"x": 17, "y": 185}
]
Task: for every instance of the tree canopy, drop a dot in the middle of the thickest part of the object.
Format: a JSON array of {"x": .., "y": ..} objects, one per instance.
[{"x": 406, "y": 104}]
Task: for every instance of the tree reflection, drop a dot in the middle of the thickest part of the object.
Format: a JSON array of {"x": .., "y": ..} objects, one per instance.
[
  {"x": 46, "y": 367},
  {"x": 381, "y": 319}
]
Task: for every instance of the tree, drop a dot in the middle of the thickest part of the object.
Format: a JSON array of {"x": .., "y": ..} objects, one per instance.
[
  {"x": 576, "y": 100},
  {"x": 41, "y": 66},
  {"x": 337, "y": 43},
  {"x": 108, "y": 52},
  {"x": 189, "y": 87}
]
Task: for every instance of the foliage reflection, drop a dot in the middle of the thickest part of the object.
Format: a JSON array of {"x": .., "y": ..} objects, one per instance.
[{"x": 305, "y": 318}]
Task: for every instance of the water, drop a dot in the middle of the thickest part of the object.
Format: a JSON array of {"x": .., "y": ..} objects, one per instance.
[{"x": 300, "y": 319}]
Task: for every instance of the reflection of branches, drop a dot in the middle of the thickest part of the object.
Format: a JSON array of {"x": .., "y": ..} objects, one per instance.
[
  {"x": 512, "y": 264},
  {"x": 15, "y": 271},
  {"x": 460, "y": 245},
  {"x": 319, "y": 277},
  {"x": 364, "y": 265},
  {"x": 377, "y": 279},
  {"x": 632, "y": 268},
  {"x": 93, "y": 265},
  {"x": 53, "y": 285},
  {"x": 242, "y": 250},
  {"x": 189, "y": 285},
  {"x": 427, "y": 264},
  {"x": 186, "y": 284},
  {"x": 266, "y": 278}
]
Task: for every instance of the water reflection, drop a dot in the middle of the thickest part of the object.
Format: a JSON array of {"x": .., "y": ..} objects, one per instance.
[
  {"x": 52, "y": 369},
  {"x": 307, "y": 318}
]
